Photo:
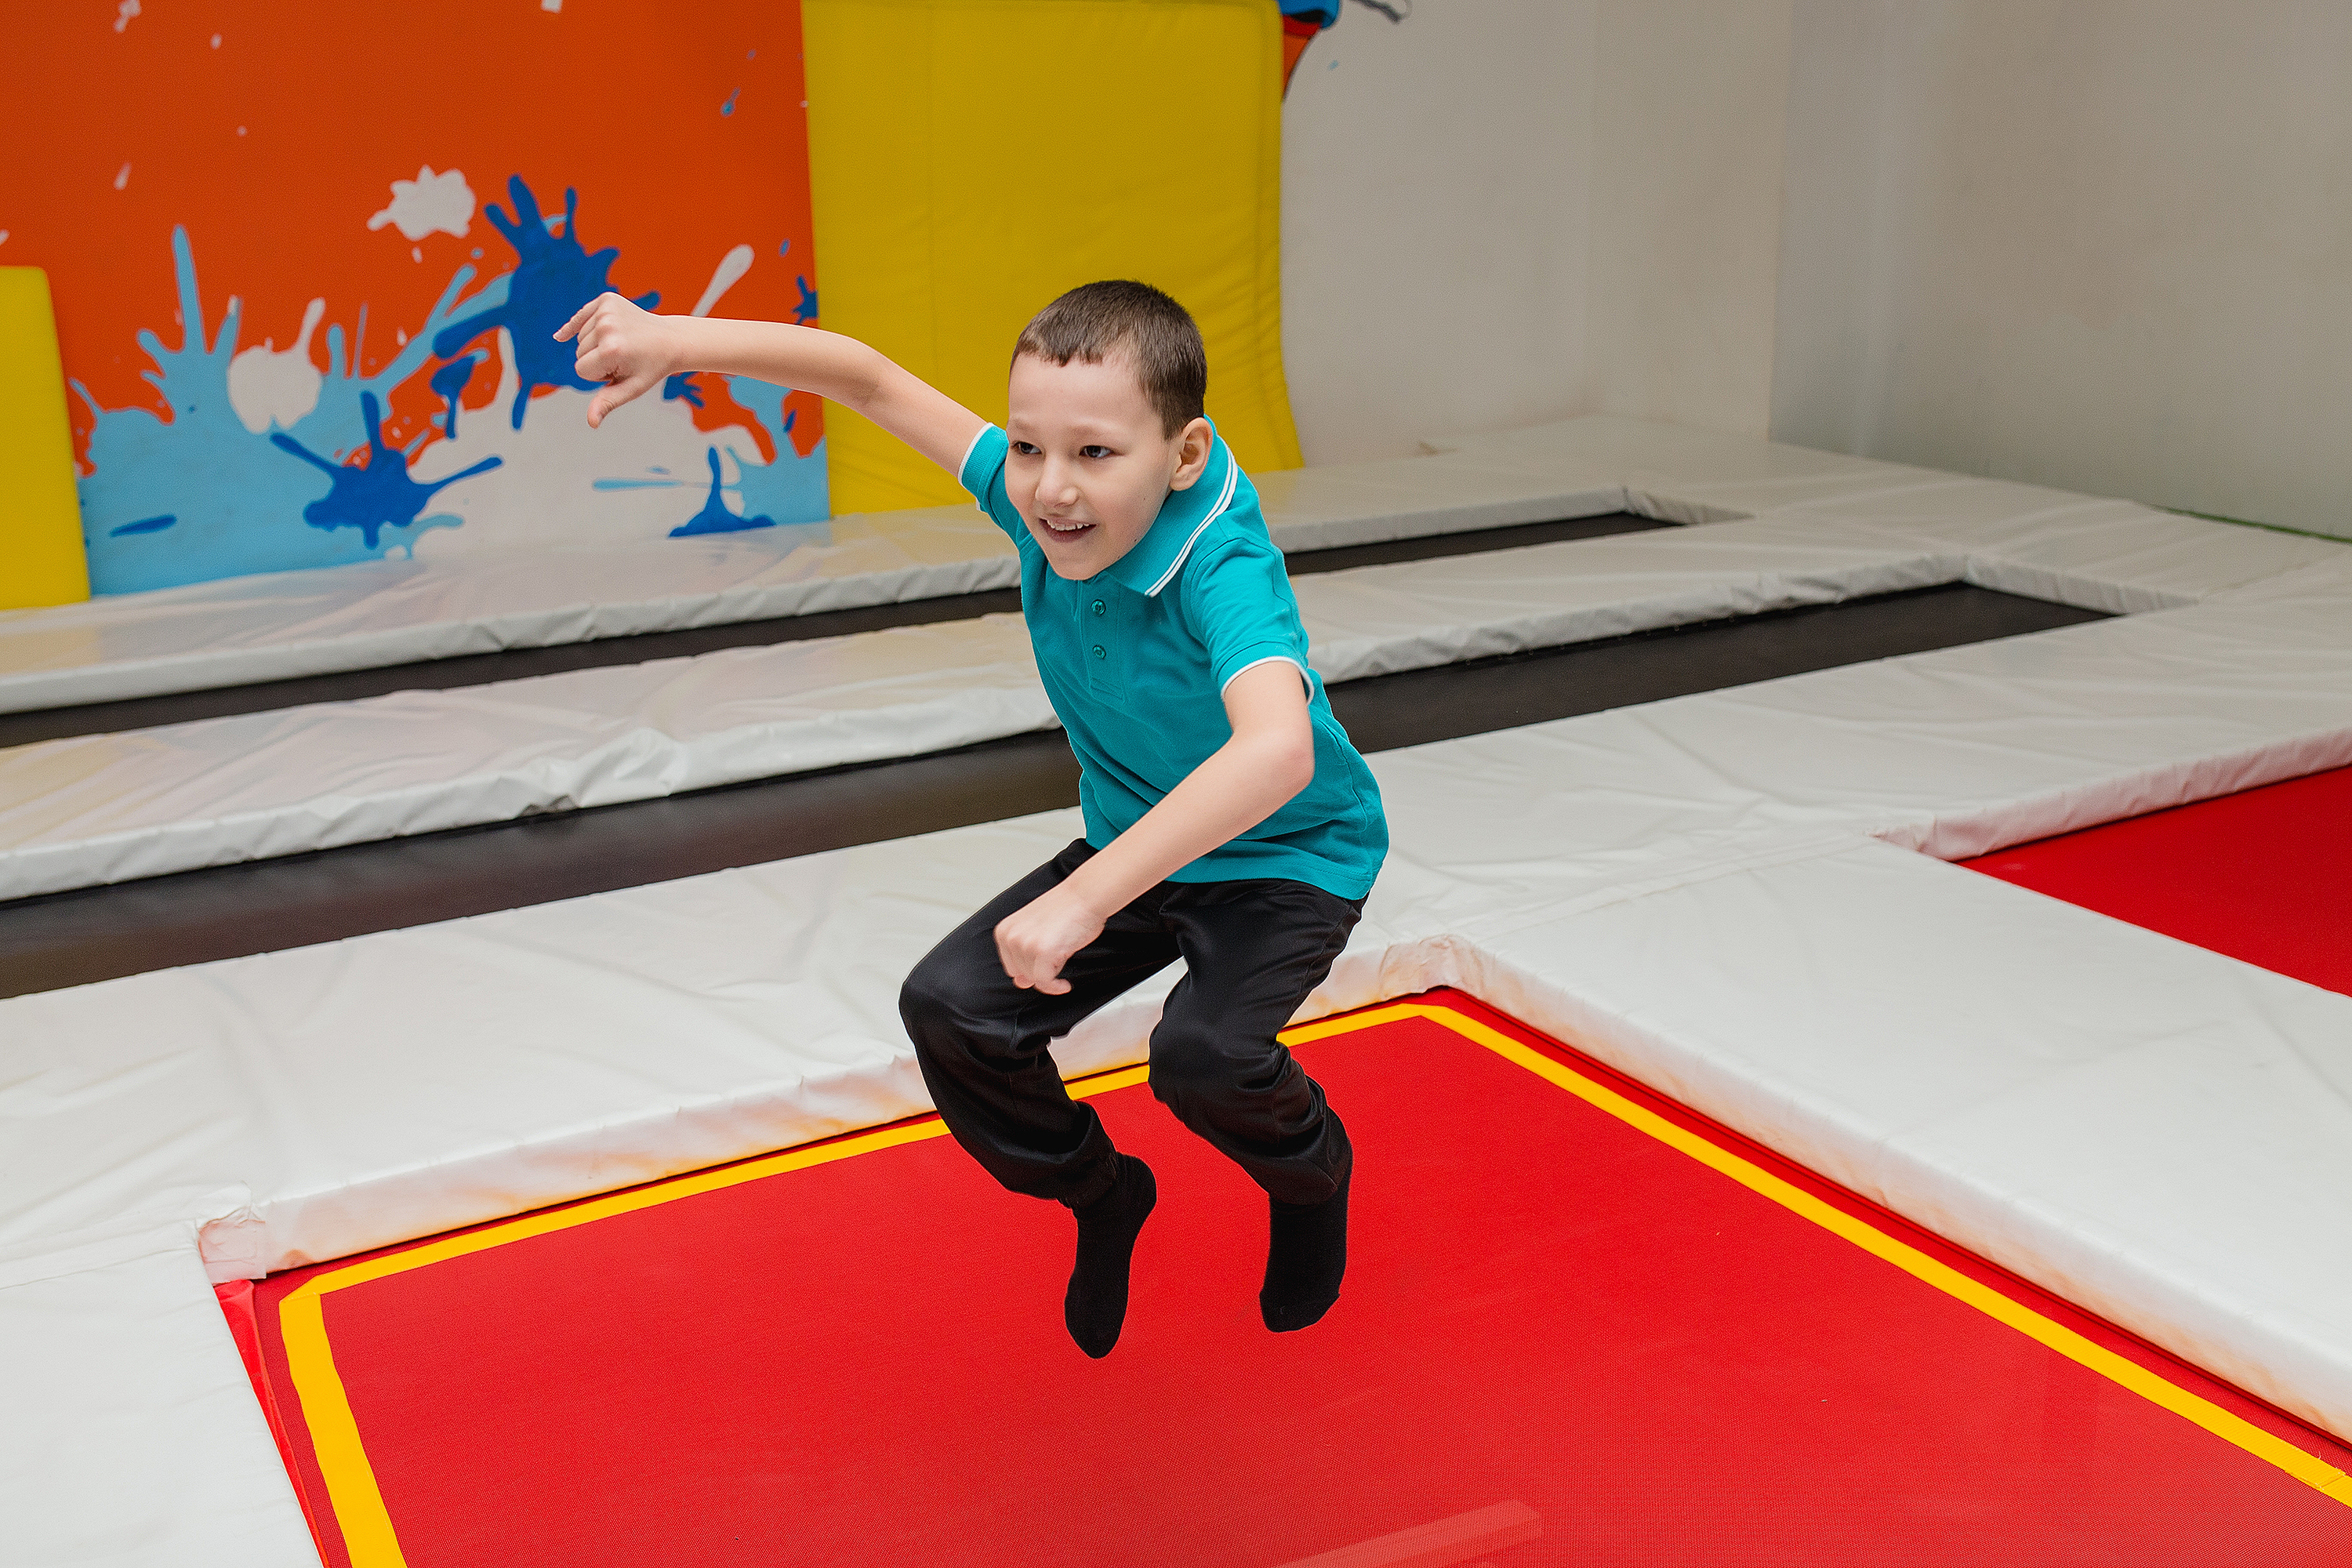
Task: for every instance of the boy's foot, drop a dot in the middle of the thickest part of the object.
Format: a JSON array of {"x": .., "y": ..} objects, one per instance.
[
  {"x": 1095, "y": 1304},
  {"x": 1305, "y": 1254}
]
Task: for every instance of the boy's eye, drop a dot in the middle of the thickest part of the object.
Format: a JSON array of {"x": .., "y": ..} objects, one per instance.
[
  {"x": 1024, "y": 448},
  {"x": 1094, "y": 451}
]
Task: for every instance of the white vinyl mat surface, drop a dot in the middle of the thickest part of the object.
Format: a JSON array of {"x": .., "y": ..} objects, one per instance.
[
  {"x": 104, "y": 808},
  {"x": 1734, "y": 897}
]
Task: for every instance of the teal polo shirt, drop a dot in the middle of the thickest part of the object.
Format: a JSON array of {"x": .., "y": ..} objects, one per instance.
[{"x": 1136, "y": 659}]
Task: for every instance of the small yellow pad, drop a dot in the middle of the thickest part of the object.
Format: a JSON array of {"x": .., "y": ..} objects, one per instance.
[
  {"x": 971, "y": 159},
  {"x": 41, "y": 559}
]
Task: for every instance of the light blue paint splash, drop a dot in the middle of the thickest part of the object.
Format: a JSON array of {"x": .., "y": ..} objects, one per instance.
[
  {"x": 728, "y": 107},
  {"x": 379, "y": 495},
  {"x": 793, "y": 489},
  {"x": 790, "y": 492},
  {"x": 237, "y": 500},
  {"x": 553, "y": 278}
]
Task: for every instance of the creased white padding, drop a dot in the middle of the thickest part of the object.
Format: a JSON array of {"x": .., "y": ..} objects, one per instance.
[
  {"x": 375, "y": 1086},
  {"x": 129, "y": 1432},
  {"x": 316, "y": 622},
  {"x": 1375, "y": 620},
  {"x": 102, "y": 808},
  {"x": 1954, "y": 752}
]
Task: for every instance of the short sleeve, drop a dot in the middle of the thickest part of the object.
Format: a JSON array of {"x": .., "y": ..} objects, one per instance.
[
  {"x": 983, "y": 473},
  {"x": 1239, "y": 601}
]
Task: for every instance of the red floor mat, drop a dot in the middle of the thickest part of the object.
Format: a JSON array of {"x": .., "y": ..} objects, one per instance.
[
  {"x": 2260, "y": 876},
  {"x": 1574, "y": 1332}
]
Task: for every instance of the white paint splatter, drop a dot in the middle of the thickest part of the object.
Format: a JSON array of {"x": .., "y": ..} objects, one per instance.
[
  {"x": 415, "y": 253},
  {"x": 122, "y": 176},
  {"x": 4, "y": 236},
  {"x": 124, "y": 12},
  {"x": 728, "y": 272},
  {"x": 551, "y": 5},
  {"x": 542, "y": 497},
  {"x": 429, "y": 204},
  {"x": 216, "y": 40},
  {"x": 266, "y": 384}
]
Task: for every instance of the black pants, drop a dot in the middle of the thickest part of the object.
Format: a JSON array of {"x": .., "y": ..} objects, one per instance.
[{"x": 1252, "y": 953}]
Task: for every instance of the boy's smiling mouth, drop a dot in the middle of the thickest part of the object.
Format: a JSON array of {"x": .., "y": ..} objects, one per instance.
[{"x": 1065, "y": 528}]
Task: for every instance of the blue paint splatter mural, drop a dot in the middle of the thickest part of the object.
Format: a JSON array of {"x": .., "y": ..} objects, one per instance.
[
  {"x": 267, "y": 464},
  {"x": 237, "y": 498}
]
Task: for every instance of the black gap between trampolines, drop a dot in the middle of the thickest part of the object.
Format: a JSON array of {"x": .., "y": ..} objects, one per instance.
[{"x": 88, "y": 934}]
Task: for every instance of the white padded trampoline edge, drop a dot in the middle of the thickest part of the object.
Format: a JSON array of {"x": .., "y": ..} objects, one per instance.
[{"x": 2296, "y": 1371}]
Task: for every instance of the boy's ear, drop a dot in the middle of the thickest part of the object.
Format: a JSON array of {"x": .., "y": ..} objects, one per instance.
[{"x": 1194, "y": 445}]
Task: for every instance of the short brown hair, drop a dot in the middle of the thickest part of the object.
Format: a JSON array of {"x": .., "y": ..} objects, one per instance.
[{"x": 1096, "y": 321}]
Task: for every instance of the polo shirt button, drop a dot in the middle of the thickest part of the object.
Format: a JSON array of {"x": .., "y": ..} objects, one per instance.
[
  {"x": 1099, "y": 651},
  {"x": 1098, "y": 607}
]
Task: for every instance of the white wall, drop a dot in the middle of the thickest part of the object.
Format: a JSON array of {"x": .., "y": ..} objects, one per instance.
[
  {"x": 2104, "y": 244},
  {"x": 1436, "y": 178},
  {"x": 1503, "y": 212},
  {"x": 1687, "y": 196}
]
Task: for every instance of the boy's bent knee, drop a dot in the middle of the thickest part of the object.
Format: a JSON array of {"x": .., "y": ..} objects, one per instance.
[
  {"x": 954, "y": 1016},
  {"x": 1196, "y": 1068},
  {"x": 932, "y": 1003}
]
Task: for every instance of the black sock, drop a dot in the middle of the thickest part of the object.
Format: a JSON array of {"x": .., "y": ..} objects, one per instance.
[
  {"x": 1096, "y": 1303},
  {"x": 1305, "y": 1255}
]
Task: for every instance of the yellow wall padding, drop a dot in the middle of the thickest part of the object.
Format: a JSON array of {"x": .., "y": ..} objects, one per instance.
[
  {"x": 971, "y": 159},
  {"x": 41, "y": 559}
]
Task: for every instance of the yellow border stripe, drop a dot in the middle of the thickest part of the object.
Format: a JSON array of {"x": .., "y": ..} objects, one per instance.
[
  {"x": 366, "y": 1526},
  {"x": 357, "y": 1502},
  {"x": 2308, "y": 1469}
]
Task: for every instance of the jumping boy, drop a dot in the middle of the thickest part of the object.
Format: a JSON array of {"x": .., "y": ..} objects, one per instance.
[{"x": 1229, "y": 821}]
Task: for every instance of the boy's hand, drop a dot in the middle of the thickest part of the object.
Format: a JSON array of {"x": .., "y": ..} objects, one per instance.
[
  {"x": 1034, "y": 941},
  {"x": 631, "y": 350}
]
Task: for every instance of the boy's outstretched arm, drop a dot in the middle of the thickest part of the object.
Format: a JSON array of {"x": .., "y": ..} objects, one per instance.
[
  {"x": 633, "y": 350},
  {"x": 1270, "y": 758}
]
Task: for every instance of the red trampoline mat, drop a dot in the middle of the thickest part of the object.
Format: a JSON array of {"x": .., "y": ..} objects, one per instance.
[
  {"x": 1549, "y": 1313},
  {"x": 2260, "y": 876}
]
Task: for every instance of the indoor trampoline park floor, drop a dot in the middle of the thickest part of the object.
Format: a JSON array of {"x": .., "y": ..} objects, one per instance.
[
  {"x": 1581, "y": 1324},
  {"x": 1680, "y": 796}
]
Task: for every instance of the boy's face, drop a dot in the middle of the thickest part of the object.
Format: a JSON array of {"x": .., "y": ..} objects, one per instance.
[{"x": 1089, "y": 464}]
